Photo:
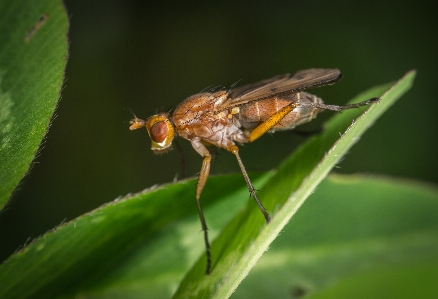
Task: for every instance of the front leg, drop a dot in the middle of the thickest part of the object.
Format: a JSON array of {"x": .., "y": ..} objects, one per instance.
[
  {"x": 203, "y": 176},
  {"x": 201, "y": 149}
]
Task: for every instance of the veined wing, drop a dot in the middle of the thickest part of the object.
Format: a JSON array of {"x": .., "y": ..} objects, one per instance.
[{"x": 281, "y": 85}]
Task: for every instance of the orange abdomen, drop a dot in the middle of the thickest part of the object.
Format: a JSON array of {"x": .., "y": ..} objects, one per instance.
[{"x": 253, "y": 114}]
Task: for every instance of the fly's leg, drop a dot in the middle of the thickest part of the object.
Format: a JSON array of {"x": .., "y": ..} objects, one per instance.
[
  {"x": 202, "y": 179},
  {"x": 261, "y": 129},
  {"x": 205, "y": 169},
  {"x": 340, "y": 108},
  {"x": 275, "y": 118},
  {"x": 235, "y": 150},
  {"x": 204, "y": 226}
]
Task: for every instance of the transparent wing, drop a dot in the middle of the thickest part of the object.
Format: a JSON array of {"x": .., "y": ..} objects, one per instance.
[{"x": 281, "y": 85}]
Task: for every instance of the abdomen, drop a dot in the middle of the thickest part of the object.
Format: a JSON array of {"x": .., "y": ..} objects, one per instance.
[{"x": 253, "y": 114}]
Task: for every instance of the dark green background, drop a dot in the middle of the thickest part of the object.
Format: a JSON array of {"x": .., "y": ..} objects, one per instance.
[{"x": 148, "y": 56}]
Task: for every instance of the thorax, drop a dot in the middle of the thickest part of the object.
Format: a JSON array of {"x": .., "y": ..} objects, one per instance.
[{"x": 196, "y": 118}]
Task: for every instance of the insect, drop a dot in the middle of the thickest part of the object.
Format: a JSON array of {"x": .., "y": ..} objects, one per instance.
[{"x": 240, "y": 115}]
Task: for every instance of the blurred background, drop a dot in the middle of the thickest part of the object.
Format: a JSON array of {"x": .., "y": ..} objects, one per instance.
[{"x": 145, "y": 56}]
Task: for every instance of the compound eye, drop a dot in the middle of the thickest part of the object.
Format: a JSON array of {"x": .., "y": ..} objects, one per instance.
[{"x": 159, "y": 131}]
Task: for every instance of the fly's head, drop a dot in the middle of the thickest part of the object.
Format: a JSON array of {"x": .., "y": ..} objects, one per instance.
[{"x": 160, "y": 130}]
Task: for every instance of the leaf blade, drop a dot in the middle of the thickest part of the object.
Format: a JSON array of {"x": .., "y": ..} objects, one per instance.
[
  {"x": 33, "y": 56},
  {"x": 353, "y": 227}
]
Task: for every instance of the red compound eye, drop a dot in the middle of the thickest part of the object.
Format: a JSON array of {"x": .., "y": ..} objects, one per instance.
[{"x": 159, "y": 131}]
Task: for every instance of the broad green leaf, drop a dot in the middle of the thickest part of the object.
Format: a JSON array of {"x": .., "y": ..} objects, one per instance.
[
  {"x": 357, "y": 236},
  {"x": 142, "y": 245},
  {"x": 33, "y": 56},
  {"x": 106, "y": 248}
]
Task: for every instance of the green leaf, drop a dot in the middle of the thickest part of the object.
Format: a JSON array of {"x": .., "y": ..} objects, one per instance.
[
  {"x": 357, "y": 236},
  {"x": 33, "y": 56},
  {"x": 134, "y": 242},
  {"x": 144, "y": 244}
]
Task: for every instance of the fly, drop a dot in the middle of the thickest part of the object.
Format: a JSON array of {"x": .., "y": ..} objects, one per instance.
[{"x": 240, "y": 115}]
